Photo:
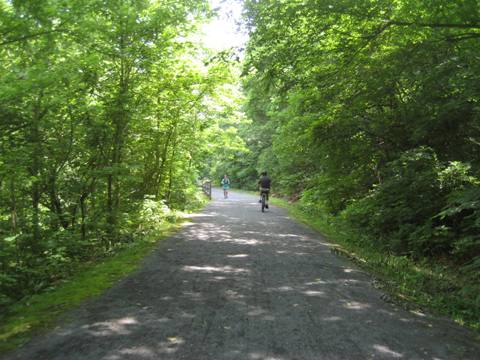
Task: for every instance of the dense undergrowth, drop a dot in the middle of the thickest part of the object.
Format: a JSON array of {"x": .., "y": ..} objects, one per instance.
[{"x": 88, "y": 278}]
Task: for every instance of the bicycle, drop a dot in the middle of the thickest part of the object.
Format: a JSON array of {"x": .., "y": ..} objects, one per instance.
[{"x": 263, "y": 199}]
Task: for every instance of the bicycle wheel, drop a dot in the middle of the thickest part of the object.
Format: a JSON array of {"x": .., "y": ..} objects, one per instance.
[{"x": 263, "y": 202}]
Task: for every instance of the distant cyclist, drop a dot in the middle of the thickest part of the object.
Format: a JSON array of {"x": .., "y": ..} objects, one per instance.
[
  {"x": 264, "y": 187},
  {"x": 226, "y": 186}
]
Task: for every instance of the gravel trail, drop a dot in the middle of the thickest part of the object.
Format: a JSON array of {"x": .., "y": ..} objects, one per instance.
[{"x": 238, "y": 284}]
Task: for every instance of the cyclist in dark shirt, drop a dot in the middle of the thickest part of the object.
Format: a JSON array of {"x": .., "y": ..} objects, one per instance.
[{"x": 264, "y": 186}]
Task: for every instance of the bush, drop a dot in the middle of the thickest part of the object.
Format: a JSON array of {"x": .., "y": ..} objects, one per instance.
[
  {"x": 462, "y": 218},
  {"x": 421, "y": 208},
  {"x": 153, "y": 214}
]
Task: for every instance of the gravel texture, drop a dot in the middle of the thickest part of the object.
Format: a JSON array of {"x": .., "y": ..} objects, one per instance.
[{"x": 238, "y": 284}]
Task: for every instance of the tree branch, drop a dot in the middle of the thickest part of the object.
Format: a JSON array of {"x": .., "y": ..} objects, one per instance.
[
  {"x": 31, "y": 36},
  {"x": 433, "y": 25}
]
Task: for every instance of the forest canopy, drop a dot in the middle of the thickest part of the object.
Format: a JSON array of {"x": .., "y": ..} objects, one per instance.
[
  {"x": 109, "y": 112},
  {"x": 369, "y": 111},
  {"x": 364, "y": 111}
]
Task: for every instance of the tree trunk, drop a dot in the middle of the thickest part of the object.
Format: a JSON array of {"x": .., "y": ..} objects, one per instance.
[
  {"x": 13, "y": 207},
  {"x": 35, "y": 189},
  {"x": 170, "y": 172},
  {"x": 14, "y": 218},
  {"x": 161, "y": 169},
  {"x": 120, "y": 123},
  {"x": 83, "y": 212},
  {"x": 56, "y": 204}
]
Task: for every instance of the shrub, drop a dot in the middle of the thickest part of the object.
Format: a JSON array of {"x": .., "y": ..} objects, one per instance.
[
  {"x": 423, "y": 208},
  {"x": 462, "y": 218}
]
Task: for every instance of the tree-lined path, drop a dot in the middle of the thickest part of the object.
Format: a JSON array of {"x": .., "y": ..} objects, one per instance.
[{"x": 238, "y": 284}]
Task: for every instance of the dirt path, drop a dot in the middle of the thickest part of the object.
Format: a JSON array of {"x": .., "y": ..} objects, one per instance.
[{"x": 239, "y": 284}]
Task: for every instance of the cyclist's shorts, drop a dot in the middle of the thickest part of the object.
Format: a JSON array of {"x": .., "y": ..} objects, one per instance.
[
  {"x": 226, "y": 187},
  {"x": 264, "y": 190}
]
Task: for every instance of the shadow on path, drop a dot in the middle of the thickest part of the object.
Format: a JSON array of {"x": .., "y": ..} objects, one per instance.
[{"x": 239, "y": 284}]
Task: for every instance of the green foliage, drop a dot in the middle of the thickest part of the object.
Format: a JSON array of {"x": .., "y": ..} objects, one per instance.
[
  {"x": 108, "y": 113},
  {"x": 40, "y": 311},
  {"x": 416, "y": 285},
  {"x": 401, "y": 214},
  {"x": 461, "y": 216},
  {"x": 367, "y": 112},
  {"x": 154, "y": 215}
]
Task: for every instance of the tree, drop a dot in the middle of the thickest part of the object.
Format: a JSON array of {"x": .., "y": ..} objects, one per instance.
[
  {"x": 348, "y": 93},
  {"x": 104, "y": 105}
]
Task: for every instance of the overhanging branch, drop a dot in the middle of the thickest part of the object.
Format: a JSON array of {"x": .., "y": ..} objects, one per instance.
[
  {"x": 433, "y": 25},
  {"x": 31, "y": 36}
]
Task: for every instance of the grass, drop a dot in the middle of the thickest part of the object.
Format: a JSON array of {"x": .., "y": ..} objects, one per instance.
[
  {"x": 437, "y": 288},
  {"x": 41, "y": 312}
]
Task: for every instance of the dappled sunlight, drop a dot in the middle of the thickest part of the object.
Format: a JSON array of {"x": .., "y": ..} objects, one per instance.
[
  {"x": 194, "y": 296},
  {"x": 233, "y": 295},
  {"x": 301, "y": 254},
  {"x": 162, "y": 320},
  {"x": 384, "y": 350},
  {"x": 263, "y": 356},
  {"x": 186, "y": 315},
  {"x": 249, "y": 232},
  {"x": 245, "y": 241},
  {"x": 257, "y": 311},
  {"x": 351, "y": 281},
  {"x": 223, "y": 288},
  {"x": 386, "y": 312},
  {"x": 137, "y": 351},
  {"x": 349, "y": 270},
  {"x": 169, "y": 346},
  {"x": 106, "y": 328},
  {"x": 316, "y": 282},
  {"x": 215, "y": 269},
  {"x": 217, "y": 278},
  {"x": 313, "y": 293},
  {"x": 332, "y": 318},
  {"x": 355, "y": 305},
  {"x": 284, "y": 288},
  {"x": 299, "y": 237},
  {"x": 418, "y": 313},
  {"x": 229, "y": 283},
  {"x": 201, "y": 215}
]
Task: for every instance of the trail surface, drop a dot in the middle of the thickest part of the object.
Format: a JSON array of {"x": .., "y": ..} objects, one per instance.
[{"x": 239, "y": 284}]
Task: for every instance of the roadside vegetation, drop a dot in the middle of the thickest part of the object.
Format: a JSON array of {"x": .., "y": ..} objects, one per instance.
[
  {"x": 41, "y": 311},
  {"x": 109, "y": 111},
  {"x": 426, "y": 286},
  {"x": 366, "y": 113}
]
